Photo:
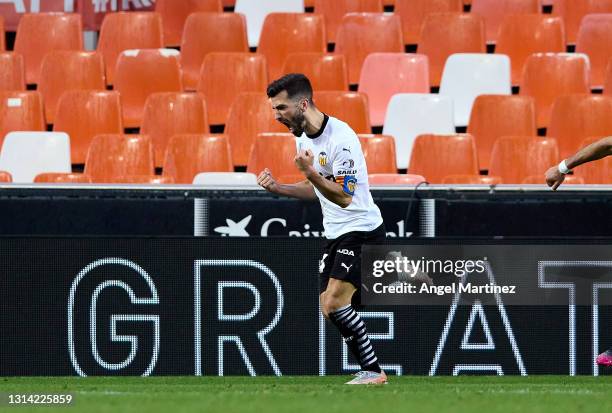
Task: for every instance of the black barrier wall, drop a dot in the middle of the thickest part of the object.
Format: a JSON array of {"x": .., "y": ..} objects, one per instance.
[{"x": 191, "y": 306}]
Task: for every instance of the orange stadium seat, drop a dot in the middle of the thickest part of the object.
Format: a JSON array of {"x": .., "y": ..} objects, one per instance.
[
  {"x": 6, "y": 177},
  {"x": 210, "y": 32},
  {"x": 325, "y": 71},
  {"x": 139, "y": 73},
  {"x": 279, "y": 37},
  {"x": 360, "y": 34},
  {"x": 2, "y": 35},
  {"x": 386, "y": 74},
  {"x": 41, "y": 33},
  {"x": 83, "y": 114},
  {"x": 577, "y": 117},
  {"x": 349, "y": 107},
  {"x": 573, "y": 11},
  {"x": 443, "y": 34},
  {"x": 334, "y": 11},
  {"x": 174, "y": 13},
  {"x": 220, "y": 85},
  {"x": 167, "y": 114},
  {"x": 595, "y": 40},
  {"x": 394, "y": 179},
  {"x": 541, "y": 180},
  {"x": 69, "y": 70},
  {"x": 112, "y": 156},
  {"x": 494, "y": 116},
  {"x": 547, "y": 76},
  {"x": 472, "y": 180},
  {"x": 413, "y": 13},
  {"x": 20, "y": 111},
  {"x": 494, "y": 11},
  {"x": 520, "y": 36},
  {"x": 126, "y": 31},
  {"x": 188, "y": 155},
  {"x": 274, "y": 151},
  {"x": 608, "y": 82},
  {"x": 436, "y": 156},
  {"x": 250, "y": 114},
  {"x": 144, "y": 179},
  {"x": 514, "y": 158},
  {"x": 598, "y": 172},
  {"x": 290, "y": 179},
  {"x": 12, "y": 74},
  {"x": 379, "y": 153},
  {"x": 62, "y": 178}
]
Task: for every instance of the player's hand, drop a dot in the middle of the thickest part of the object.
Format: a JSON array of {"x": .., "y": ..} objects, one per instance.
[
  {"x": 304, "y": 160},
  {"x": 554, "y": 178},
  {"x": 267, "y": 181}
]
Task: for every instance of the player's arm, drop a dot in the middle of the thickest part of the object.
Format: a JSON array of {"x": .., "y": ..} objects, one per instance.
[
  {"x": 301, "y": 190},
  {"x": 597, "y": 150},
  {"x": 334, "y": 192}
]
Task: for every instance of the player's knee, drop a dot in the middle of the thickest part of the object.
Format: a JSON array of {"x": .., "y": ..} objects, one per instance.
[{"x": 331, "y": 303}]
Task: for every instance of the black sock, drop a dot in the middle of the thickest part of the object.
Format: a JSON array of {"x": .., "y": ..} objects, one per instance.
[{"x": 353, "y": 329}]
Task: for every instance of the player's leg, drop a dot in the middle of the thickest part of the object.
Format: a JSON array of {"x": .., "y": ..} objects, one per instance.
[{"x": 605, "y": 358}]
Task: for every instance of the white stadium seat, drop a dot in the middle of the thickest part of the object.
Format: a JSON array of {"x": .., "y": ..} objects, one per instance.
[{"x": 256, "y": 11}]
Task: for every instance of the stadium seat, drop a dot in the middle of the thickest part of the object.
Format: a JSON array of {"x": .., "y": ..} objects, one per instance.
[
  {"x": 274, "y": 151},
  {"x": 167, "y": 114},
  {"x": 206, "y": 33},
  {"x": 412, "y": 114},
  {"x": 472, "y": 180},
  {"x": 379, "y": 153},
  {"x": 41, "y": 33},
  {"x": 188, "y": 155},
  {"x": 467, "y": 76},
  {"x": 394, "y": 179},
  {"x": 279, "y": 37},
  {"x": 444, "y": 34},
  {"x": 608, "y": 82},
  {"x": 436, "y": 156},
  {"x": 595, "y": 40},
  {"x": 494, "y": 11},
  {"x": 549, "y": 75},
  {"x": 250, "y": 114},
  {"x": 220, "y": 86},
  {"x": 229, "y": 3},
  {"x": 360, "y": 34},
  {"x": 325, "y": 71},
  {"x": 83, "y": 114},
  {"x": 111, "y": 156},
  {"x": 2, "y": 35},
  {"x": 256, "y": 12},
  {"x": 572, "y": 12},
  {"x": 62, "y": 178},
  {"x": 334, "y": 11},
  {"x": 290, "y": 179},
  {"x": 577, "y": 117},
  {"x": 5, "y": 177},
  {"x": 145, "y": 179},
  {"x": 20, "y": 111},
  {"x": 514, "y": 158},
  {"x": 541, "y": 180},
  {"x": 413, "y": 13},
  {"x": 174, "y": 13},
  {"x": 494, "y": 116},
  {"x": 26, "y": 154},
  {"x": 69, "y": 70},
  {"x": 349, "y": 107},
  {"x": 598, "y": 172},
  {"x": 225, "y": 179},
  {"x": 139, "y": 73},
  {"x": 12, "y": 74},
  {"x": 520, "y": 36},
  {"x": 386, "y": 74},
  {"x": 128, "y": 31}
]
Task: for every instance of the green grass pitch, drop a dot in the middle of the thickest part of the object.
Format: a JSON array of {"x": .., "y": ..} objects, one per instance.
[{"x": 474, "y": 394}]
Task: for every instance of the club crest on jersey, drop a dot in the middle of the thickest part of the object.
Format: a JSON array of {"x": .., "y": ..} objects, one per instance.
[{"x": 322, "y": 158}]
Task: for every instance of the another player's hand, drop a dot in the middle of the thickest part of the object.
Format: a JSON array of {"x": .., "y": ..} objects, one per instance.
[
  {"x": 554, "y": 178},
  {"x": 304, "y": 160},
  {"x": 267, "y": 181}
]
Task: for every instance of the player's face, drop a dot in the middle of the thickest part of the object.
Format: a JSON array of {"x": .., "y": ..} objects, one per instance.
[{"x": 289, "y": 112}]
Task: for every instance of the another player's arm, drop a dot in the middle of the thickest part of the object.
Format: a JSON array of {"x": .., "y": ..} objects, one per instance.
[
  {"x": 597, "y": 150},
  {"x": 333, "y": 191},
  {"x": 300, "y": 190}
]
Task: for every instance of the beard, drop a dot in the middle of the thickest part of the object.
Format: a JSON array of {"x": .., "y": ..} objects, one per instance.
[{"x": 296, "y": 124}]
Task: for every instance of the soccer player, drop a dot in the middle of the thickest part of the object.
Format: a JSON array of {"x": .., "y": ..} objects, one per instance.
[
  {"x": 555, "y": 176},
  {"x": 330, "y": 158}
]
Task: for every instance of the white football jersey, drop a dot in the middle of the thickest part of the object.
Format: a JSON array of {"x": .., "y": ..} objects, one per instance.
[{"x": 338, "y": 157}]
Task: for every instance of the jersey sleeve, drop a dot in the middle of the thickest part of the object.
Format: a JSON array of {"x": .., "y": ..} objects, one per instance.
[{"x": 345, "y": 166}]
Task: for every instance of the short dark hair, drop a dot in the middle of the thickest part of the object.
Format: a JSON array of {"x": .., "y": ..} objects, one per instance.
[{"x": 296, "y": 85}]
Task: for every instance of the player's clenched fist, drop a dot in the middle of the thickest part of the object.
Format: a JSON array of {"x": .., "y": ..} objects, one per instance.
[
  {"x": 554, "y": 178},
  {"x": 304, "y": 160},
  {"x": 266, "y": 180}
]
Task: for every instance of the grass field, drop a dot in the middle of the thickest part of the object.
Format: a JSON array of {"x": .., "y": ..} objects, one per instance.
[{"x": 473, "y": 394}]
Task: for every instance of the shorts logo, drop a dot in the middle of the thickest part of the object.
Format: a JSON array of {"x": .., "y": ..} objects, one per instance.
[
  {"x": 345, "y": 266},
  {"x": 322, "y": 159},
  {"x": 322, "y": 264},
  {"x": 346, "y": 252}
]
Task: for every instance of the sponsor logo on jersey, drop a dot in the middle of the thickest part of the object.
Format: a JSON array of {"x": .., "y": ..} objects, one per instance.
[
  {"x": 348, "y": 172},
  {"x": 322, "y": 158},
  {"x": 346, "y": 252}
]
